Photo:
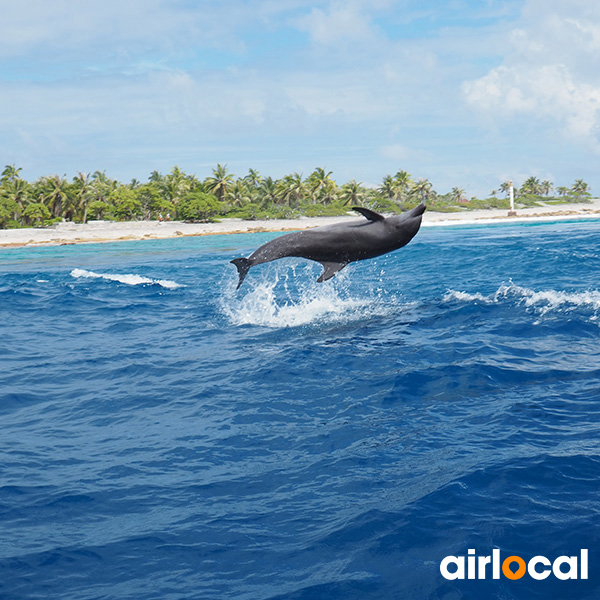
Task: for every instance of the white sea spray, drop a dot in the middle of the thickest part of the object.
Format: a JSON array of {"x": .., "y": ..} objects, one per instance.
[
  {"x": 289, "y": 296},
  {"x": 127, "y": 279},
  {"x": 542, "y": 301}
]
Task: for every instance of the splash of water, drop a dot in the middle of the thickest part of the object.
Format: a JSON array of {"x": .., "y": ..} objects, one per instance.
[
  {"x": 542, "y": 301},
  {"x": 287, "y": 296},
  {"x": 128, "y": 279}
]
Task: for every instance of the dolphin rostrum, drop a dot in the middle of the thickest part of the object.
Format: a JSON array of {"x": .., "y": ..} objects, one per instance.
[{"x": 334, "y": 246}]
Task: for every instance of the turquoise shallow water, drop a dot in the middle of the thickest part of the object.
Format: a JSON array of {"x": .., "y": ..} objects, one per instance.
[{"x": 166, "y": 437}]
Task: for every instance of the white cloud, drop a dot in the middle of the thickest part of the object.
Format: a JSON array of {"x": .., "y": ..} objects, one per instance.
[
  {"x": 547, "y": 91},
  {"x": 551, "y": 72},
  {"x": 158, "y": 105},
  {"x": 119, "y": 30},
  {"x": 373, "y": 84},
  {"x": 343, "y": 21}
]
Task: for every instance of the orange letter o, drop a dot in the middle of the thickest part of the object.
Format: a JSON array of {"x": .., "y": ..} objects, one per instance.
[{"x": 519, "y": 572}]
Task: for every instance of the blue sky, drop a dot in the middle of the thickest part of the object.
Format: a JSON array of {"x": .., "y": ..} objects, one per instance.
[{"x": 462, "y": 92}]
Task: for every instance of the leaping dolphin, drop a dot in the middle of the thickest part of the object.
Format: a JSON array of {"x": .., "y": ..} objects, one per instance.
[{"x": 334, "y": 246}]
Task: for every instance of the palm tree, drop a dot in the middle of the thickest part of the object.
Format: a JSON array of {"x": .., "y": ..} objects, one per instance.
[
  {"x": 352, "y": 193},
  {"x": 240, "y": 193},
  {"x": 100, "y": 186},
  {"x": 81, "y": 188},
  {"x": 531, "y": 186},
  {"x": 156, "y": 177},
  {"x": 563, "y": 190},
  {"x": 388, "y": 188},
  {"x": 17, "y": 190},
  {"x": 8, "y": 210},
  {"x": 291, "y": 190},
  {"x": 220, "y": 182},
  {"x": 175, "y": 185},
  {"x": 321, "y": 186},
  {"x": 546, "y": 187},
  {"x": 103, "y": 185},
  {"x": 15, "y": 194},
  {"x": 254, "y": 179},
  {"x": 580, "y": 189},
  {"x": 505, "y": 188},
  {"x": 11, "y": 173},
  {"x": 56, "y": 196},
  {"x": 422, "y": 190},
  {"x": 457, "y": 194},
  {"x": 403, "y": 182},
  {"x": 267, "y": 192},
  {"x": 14, "y": 191}
]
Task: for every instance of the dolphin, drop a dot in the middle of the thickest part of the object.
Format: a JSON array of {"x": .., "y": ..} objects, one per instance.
[{"x": 334, "y": 246}]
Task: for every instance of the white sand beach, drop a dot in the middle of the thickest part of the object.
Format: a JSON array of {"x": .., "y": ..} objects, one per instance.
[{"x": 110, "y": 231}]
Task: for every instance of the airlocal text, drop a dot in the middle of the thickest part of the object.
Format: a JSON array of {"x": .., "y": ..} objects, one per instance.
[{"x": 514, "y": 567}]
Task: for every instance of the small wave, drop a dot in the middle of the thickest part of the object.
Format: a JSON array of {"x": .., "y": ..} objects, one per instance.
[
  {"x": 271, "y": 305},
  {"x": 128, "y": 279},
  {"x": 542, "y": 301},
  {"x": 465, "y": 297}
]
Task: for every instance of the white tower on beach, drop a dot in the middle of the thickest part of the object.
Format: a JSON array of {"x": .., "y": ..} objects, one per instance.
[{"x": 511, "y": 195}]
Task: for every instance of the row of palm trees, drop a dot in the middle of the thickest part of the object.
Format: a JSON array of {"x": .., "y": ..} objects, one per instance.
[
  {"x": 532, "y": 186},
  {"x": 98, "y": 196}
]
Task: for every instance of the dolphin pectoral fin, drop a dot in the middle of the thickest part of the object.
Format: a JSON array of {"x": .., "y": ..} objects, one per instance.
[
  {"x": 368, "y": 214},
  {"x": 330, "y": 269}
]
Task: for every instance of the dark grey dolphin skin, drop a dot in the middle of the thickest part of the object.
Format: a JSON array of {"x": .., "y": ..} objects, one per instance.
[{"x": 334, "y": 246}]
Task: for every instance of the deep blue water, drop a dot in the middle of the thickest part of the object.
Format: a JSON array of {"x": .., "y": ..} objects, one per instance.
[{"x": 164, "y": 437}]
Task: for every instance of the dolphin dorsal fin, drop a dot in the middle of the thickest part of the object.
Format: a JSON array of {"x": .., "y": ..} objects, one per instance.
[{"x": 368, "y": 214}]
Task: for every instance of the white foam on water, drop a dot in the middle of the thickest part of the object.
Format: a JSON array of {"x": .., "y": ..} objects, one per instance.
[
  {"x": 542, "y": 301},
  {"x": 465, "y": 297},
  {"x": 271, "y": 303},
  {"x": 128, "y": 279}
]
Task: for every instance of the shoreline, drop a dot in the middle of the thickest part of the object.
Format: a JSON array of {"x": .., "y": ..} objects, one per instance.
[{"x": 68, "y": 233}]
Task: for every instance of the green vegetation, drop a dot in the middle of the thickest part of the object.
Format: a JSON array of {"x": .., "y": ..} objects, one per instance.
[{"x": 180, "y": 196}]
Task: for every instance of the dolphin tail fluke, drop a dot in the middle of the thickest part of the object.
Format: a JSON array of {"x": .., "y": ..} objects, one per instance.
[{"x": 243, "y": 266}]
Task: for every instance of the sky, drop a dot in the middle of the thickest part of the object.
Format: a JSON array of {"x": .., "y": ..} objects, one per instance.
[{"x": 466, "y": 93}]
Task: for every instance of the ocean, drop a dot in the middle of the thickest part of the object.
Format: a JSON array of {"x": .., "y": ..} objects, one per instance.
[{"x": 164, "y": 436}]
